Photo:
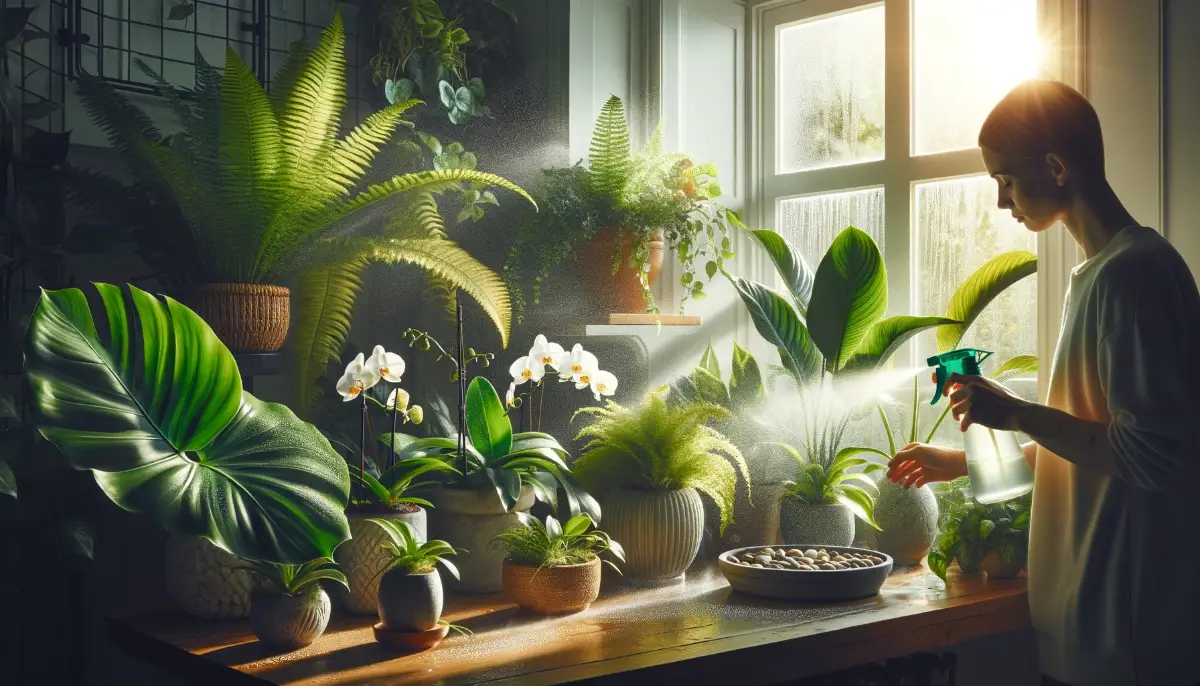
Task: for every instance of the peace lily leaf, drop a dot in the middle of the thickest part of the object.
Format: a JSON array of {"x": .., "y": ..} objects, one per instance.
[
  {"x": 849, "y": 295},
  {"x": 745, "y": 381},
  {"x": 1021, "y": 364},
  {"x": 487, "y": 423},
  {"x": 708, "y": 362},
  {"x": 778, "y": 322},
  {"x": 709, "y": 388},
  {"x": 886, "y": 336},
  {"x": 980, "y": 289},
  {"x": 797, "y": 275},
  {"x": 169, "y": 433}
]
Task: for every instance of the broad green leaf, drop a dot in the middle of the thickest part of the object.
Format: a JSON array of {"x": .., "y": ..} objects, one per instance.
[
  {"x": 795, "y": 272},
  {"x": 487, "y": 422},
  {"x": 1021, "y": 364},
  {"x": 553, "y": 529},
  {"x": 365, "y": 478},
  {"x": 885, "y": 337},
  {"x": 846, "y": 457},
  {"x": 980, "y": 289},
  {"x": 577, "y": 525},
  {"x": 938, "y": 563},
  {"x": 859, "y": 502},
  {"x": 535, "y": 440},
  {"x": 709, "y": 387},
  {"x": 779, "y": 323},
  {"x": 708, "y": 362},
  {"x": 8, "y": 482},
  {"x": 849, "y": 296},
  {"x": 745, "y": 381}
]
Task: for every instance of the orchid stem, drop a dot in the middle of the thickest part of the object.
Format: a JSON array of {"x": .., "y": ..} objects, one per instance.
[
  {"x": 392, "y": 454},
  {"x": 362, "y": 447}
]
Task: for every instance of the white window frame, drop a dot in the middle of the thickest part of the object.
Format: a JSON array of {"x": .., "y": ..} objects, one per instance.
[{"x": 1061, "y": 24}]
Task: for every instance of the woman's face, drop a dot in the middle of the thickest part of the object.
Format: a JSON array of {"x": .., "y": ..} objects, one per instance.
[{"x": 1033, "y": 189}]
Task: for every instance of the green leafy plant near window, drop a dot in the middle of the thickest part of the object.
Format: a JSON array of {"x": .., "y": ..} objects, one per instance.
[
  {"x": 266, "y": 191},
  {"x": 634, "y": 196},
  {"x": 659, "y": 447},
  {"x": 295, "y": 580},
  {"x": 555, "y": 544},
  {"x": 411, "y": 556},
  {"x": 829, "y": 483},
  {"x": 971, "y": 531}
]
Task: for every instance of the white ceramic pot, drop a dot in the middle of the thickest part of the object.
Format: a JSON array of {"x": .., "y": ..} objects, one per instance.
[
  {"x": 362, "y": 559},
  {"x": 659, "y": 530},
  {"x": 290, "y": 622},
  {"x": 470, "y": 519},
  {"x": 205, "y": 581},
  {"x": 824, "y": 524},
  {"x": 908, "y": 518}
]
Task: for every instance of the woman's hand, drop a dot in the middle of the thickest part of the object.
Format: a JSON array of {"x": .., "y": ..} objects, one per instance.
[
  {"x": 918, "y": 464},
  {"x": 979, "y": 400}
]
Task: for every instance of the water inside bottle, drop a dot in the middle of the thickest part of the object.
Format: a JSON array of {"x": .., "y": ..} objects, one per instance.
[{"x": 996, "y": 464}]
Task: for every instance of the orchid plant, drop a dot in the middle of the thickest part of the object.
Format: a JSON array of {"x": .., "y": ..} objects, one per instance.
[{"x": 577, "y": 366}]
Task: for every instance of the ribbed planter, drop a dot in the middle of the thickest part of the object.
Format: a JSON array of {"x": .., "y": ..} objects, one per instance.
[
  {"x": 290, "y": 622},
  {"x": 908, "y": 518},
  {"x": 247, "y": 317},
  {"x": 553, "y": 590},
  {"x": 470, "y": 519},
  {"x": 361, "y": 558},
  {"x": 802, "y": 523},
  {"x": 659, "y": 530},
  {"x": 410, "y": 603},
  {"x": 205, "y": 581}
]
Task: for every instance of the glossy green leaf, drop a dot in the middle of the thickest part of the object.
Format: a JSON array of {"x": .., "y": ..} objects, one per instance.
[
  {"x": 708, "y": 362},
  {"x": 859, "y": 502},
  {"x": 1015, "y": 366},
  {"x": 937, "y": 563},
  {"x": 487, "y": 423},
  {"x": 745, "y": 381},
  {"x": 577, "y": 525},
  {"x": 849, "y": 296},
  {"x": 781, "y": 326},
  {"x": 980, "y": 289},
  {"x": 797, "y": 276},
  {"x": 553, "y": 528},
  {"x": 885, "y": 337},
  {"x": 709, "y": 387}
]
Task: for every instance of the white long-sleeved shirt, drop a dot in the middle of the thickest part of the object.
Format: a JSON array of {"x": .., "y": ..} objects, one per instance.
[{"x": 1114, "y": 544}]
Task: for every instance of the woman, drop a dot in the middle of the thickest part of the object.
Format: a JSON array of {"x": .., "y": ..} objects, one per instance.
[{"x": 1114, "y": 590}]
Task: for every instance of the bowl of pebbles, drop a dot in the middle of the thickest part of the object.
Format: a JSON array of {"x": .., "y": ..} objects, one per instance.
[{"x": 806, "y": 572}]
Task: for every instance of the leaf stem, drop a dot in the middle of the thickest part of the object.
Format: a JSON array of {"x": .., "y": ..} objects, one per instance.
[{"x": 887, "y": 427}]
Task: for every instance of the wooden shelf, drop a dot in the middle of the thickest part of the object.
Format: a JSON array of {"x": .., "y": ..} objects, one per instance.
[{"x": 642, "y": 319}]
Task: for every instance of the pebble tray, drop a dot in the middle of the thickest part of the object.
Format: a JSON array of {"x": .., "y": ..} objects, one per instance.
[{"x": 797, "y": 577}]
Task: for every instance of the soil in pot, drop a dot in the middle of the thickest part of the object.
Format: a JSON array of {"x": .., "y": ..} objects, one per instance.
[
  {"x": 290, "y": 622},
  {"x": 908, "y": 518},
  {"x": 470, "y": 519},
  {"x": 247, "y": 317},
  {"x": 620, "y": 292},
  {"x": 361, "y": 557},
  {"x": 825, "y": 524},
  {"x": 410, "y": 602},
  {"x": 553, "y": 590}
]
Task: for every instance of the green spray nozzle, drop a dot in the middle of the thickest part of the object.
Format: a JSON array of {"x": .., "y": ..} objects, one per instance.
[{"x": 964, "y": 361}]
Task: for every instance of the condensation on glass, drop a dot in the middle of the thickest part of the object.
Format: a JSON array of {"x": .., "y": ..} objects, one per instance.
[
  {"x": 830, "y": 88},
  {"x": 966, "y": 55},
  {"x": 811, "y": 222}
]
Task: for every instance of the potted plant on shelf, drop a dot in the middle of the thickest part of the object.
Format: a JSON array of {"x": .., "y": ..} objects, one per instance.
[
  {"x": 266, "y": 192},
  {"x": 648, "y": 466},
  {"x": 410, "y": 590},
  {"x": 182, "y": 443},
  {"x": 989, "y": 538},
  {"x": 820, "y": 506},
  {"x": 288, "y": 607},
  {"x": 619, "y": 217},
  {"x": 554, "y": 568}
]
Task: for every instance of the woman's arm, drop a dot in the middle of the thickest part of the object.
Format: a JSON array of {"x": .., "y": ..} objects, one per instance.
[{"x": 1030, "y": 449}]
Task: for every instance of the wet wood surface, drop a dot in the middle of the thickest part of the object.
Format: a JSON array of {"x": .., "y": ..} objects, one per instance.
[{"x": 699, "y": 631}]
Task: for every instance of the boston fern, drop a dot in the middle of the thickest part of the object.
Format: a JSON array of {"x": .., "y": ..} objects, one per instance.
[{"x": 555, "y": 544}]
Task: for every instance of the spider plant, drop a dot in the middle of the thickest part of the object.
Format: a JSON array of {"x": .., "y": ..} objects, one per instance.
[
  {"x": 554, "y": 544},
  {"x": 409, "y": 555},
  {"x": 830, "y": 483},
  {"x": 392, "y": 489},
  {"x": 294, "y": 580}
]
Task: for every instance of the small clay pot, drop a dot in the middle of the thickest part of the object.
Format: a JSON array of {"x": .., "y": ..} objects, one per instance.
[
  {"x": 290, "y": 622},
  {"x": 997, "y": 568},
  {"x": 410, "y": 602},
  {"x": 410, "y": 641},
  {"x": 553, "y": 590}
]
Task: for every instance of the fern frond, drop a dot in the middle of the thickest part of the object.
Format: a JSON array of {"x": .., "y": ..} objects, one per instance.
[
  {"x": 124, "y": 124},
  {"x": 350, "y": 157},
  {"x": 201, "y": 208},
  {"x": 204, "y": 129},
  {"x": 170, "y": 92},
  {"x": 313, "y": 105},
  {"x": 326, "y": 305},
  {"x": 285, "y": 77},
  {"x": 444, "y": 295},
  {"x": 608, "y": 154}
]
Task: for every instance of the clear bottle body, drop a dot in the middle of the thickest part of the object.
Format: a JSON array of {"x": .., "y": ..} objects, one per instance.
[{"x": 996, "y": 465}]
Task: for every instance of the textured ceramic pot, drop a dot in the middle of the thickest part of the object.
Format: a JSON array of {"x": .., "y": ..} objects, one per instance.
[
  {"x": 755, "y": 517},
  {"x": 410, "y": 602},
  {"x": 205, "y": 581},
  {"x": 284, "y": 621},
  {"x": 659, "y": 530},
  {"x": 999, "y": 569},
  {"x": 553, "y": 590},
  {"x": 247, "y": 317},
  {"x": 361, "y": 557},
  {"x": 908, "y": 518},
  {"x": 802, "y": 523},
  {"x": 470, "y": 519}
]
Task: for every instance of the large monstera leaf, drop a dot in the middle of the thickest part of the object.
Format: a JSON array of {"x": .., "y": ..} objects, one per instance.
[
  {"x": 158, "y": 413},
  {"x": 849, "y": 296}
]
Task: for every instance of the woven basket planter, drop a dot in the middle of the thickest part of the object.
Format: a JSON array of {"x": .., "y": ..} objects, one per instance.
[
  {"x": 553, "y": 590},
  {"x": 247, "y": 317}
]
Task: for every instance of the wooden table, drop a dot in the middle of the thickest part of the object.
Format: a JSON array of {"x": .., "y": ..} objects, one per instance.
[{"x": 699, "y": 632}]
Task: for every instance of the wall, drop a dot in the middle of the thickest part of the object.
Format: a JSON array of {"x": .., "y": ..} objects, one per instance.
[{"x": 1182, "y": 112}]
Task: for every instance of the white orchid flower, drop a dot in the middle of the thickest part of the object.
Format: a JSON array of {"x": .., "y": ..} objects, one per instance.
[
  {"x": 510, "y": 396},
  {"x": 358, "y": 378},
  {"x": 603, "y": 383},
  {"x": 398, "y": 400},
  {"x": 527, "y": 369},
  {"x": 389, "y": 366},
  {"x": 547, "y": 353},
  {"x": 584, "y": 378},
  {"x": 577, "y": 363}
]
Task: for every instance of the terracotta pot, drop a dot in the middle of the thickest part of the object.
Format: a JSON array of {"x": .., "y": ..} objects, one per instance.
[
  {"x": 999, "y": 569},
  {"x": 290, "y": 622},
  {"x": 247, "y": 317},
  {"x": 553, "y": 590},
  {"x": 361, "y": 558},
  {"x": 470, "y": 519},
  {"x": 804, "y": 524},
  {"x": 205, "y": 581},
  {"x": 410, "y": 602},
  {"x": 659, "y": 530},
  {"x": 620, "y": 292}
]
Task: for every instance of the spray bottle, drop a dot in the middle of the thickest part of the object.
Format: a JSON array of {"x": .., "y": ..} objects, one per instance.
[{"x": 995, "y": 461}]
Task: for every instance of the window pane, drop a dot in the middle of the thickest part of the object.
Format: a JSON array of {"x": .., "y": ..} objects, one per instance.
[
  {"x": 966, "y": 55},
  {"x": 810, "y": 223},
  {"x": 830, "y": 85}
]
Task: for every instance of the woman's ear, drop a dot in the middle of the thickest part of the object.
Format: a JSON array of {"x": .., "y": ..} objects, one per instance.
[{"x": 1058, "y": 169}]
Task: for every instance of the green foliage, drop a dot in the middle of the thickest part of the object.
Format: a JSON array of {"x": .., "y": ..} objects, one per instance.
[
  {"x": 970, "y": 530},
  {"x": 392, "y": 488},
  {"x": 821, "y": 482},
  {"x": 609, "y": 152},
  {"x": 295, "y": 580},
  {"x": 660, "y": 447},
  {"x": 408, "y": 554},
  {"x": 157, "y": 412},
  {"x": 553, "y": 544},
  {"x": 704, "y": 384},
  {"x": 974, "y": 294}
]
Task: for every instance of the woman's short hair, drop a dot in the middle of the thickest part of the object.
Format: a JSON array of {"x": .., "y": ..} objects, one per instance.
[{"x": 1040, "y": 117}]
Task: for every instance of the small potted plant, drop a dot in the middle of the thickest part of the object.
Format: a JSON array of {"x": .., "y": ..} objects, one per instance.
[
  {"x": 288, "y": 607},
  {"x": 820, "y": 505},
  {"x": 648, "y": 466},
  {"x": 990, "y": 538},
  {"x": 410, "y": 590},
  {"x": 554, "y": 568}
]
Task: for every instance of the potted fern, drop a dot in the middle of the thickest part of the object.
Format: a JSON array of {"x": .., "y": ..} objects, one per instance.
[
  {"x": 288, "y": 607},
  {"x": 648, "y": 466},
  {"x": 554, "y": 568},
  {"x": 410, "y": 590}
]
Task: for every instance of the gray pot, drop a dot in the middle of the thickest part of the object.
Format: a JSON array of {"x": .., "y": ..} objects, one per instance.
[
  {"x": 754, "y": 523},
  {"x": 659, "y": 530},
  {"x": 284, "y": 621},
  {"x": 470, "y": 519},
  {"x": 205, "y": 581},
  {"x": 410, "y": 602},
  {"x": 909, "y": 519},
  {"x": 802, "y": 523},
  {"x": 361, "y": 558}
]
